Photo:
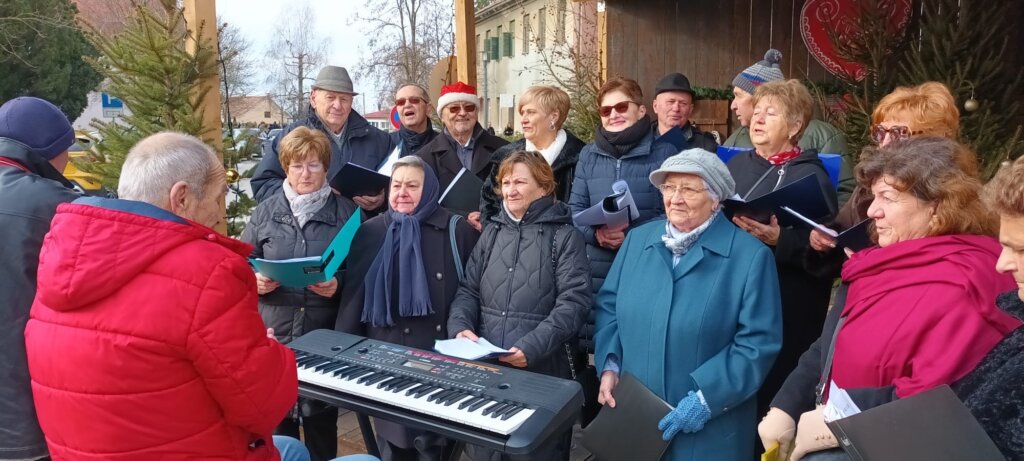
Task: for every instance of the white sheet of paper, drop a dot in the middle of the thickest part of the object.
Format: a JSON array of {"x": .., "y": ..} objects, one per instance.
[
  {"x": 839, "y": 405},
  {"x": 385, "y": 168},
  {"x": 820, "y": 227},
  {"x": 625, "y": 210},
  {"x": 465, "y": 349}
]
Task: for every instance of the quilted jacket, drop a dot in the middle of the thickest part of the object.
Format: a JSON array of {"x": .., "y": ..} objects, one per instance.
[
  {"x": 144, "y": 342},
  {"x": 596, "y": 171},
  {"x": 528, "y": 285}
]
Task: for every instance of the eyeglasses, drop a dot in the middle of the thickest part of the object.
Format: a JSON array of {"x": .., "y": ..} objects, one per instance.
[
  {"x": 412, "y": 100},
  {"x": 688, "y": 193},
  {"x": 621, "y": 108},
  {"x": 467, "y": 108},
  {"x": 897, "y": 132},
  {"x": 312, "y": 167}
]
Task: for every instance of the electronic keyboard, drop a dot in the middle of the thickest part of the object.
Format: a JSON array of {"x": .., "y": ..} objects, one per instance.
[{"x": 505, "y": 409}]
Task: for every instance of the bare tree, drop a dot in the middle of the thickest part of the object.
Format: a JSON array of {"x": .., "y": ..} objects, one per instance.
[
  {"x": 237, "y": 67},
  {"x": 406, "y": 39},
  {"x": 295, "y": 52}
]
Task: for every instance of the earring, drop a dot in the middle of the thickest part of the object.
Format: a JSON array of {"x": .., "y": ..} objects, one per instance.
[{"x": 552, "y": 126}]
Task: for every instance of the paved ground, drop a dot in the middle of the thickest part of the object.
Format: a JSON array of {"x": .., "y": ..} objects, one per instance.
[{"x": 350, "y": 440}]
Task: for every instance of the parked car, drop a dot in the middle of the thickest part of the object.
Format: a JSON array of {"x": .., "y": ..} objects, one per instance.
[{"x": 81, "y": 152}]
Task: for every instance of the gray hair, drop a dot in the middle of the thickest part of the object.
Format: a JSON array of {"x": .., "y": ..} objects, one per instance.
[
  {"x": 423, "y": 91},
  {"x": 159, "y": 161},
  {"x": 410, "y": 161}
]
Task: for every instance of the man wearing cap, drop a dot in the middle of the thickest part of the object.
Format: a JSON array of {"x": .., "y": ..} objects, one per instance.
[
  {"x": 353, "y": 139},
  {"x": 820, "y": 136},
  {"x": 673, "y": 104},
  {"x": 34, "y": 140},
  {"x": 463, "y": 143}
]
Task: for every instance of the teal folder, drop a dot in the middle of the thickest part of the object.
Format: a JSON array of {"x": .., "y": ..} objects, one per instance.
[{"x": 302, "y": 272}]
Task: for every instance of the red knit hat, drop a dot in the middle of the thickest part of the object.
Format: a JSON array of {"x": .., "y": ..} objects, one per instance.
[{"x": 456, "y": 92}]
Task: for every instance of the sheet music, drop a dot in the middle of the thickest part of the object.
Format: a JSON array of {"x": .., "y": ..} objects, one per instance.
[
  {"x": 616, "y": 211},
  {"x": 839, "y": 405}
]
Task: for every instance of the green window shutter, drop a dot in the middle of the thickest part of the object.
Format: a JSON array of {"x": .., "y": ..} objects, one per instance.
[
  {"x": 506, "y": 49},
  {"x": 492, "y": 49}
]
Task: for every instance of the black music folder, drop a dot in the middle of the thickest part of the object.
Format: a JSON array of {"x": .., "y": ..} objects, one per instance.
[
  {"x": 932, "y": 425},
  {"x": 804, "y": 195},
  {"x": 353, "y": 180},
  {"x": 463, "y": 194},
  {"x": 630, "y": 430},
  {"x": 855, "y": 238}
]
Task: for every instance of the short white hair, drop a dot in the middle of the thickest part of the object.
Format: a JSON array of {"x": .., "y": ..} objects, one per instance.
[
  {"x": 409, "y": 161},
  {"x": 159, "y": 161}
]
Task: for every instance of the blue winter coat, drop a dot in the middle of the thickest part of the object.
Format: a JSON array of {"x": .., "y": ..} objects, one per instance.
[
  {"x": 712, "y": 323},
  {"x": 596, "y": 171},
  {"x": 363, "y": 145}
]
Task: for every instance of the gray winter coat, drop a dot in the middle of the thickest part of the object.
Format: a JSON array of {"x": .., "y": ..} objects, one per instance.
[
  {"x": 274, "y": 234},
  {"x": 28, "y": 202},
  {"x": 528, "y": 285}
]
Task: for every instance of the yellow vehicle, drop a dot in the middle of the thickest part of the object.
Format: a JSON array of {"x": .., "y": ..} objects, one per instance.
[{"x": 84, "y": 182}]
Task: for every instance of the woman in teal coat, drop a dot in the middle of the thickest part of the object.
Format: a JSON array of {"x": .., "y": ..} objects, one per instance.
[{"x": 691, "y": 308}]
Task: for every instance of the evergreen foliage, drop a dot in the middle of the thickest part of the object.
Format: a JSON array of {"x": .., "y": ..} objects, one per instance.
[
  {"x": 151, "y": 70},
  {"x": 41, "y": 50}
]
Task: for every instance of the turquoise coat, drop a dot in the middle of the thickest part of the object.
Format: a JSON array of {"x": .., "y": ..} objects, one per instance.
[{"x": 713, "y": 322}]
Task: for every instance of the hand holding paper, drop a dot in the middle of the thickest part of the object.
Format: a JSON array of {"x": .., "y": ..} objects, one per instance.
[
  {"x": 616, "y": 211},
  {"x": 464, "y": 348}
]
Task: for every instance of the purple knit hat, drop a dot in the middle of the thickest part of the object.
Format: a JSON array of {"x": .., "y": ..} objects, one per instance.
[{"x": 37, "y": 124}]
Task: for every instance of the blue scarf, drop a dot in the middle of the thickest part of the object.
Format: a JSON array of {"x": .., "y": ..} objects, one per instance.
[{"x": 401, "y": 241}]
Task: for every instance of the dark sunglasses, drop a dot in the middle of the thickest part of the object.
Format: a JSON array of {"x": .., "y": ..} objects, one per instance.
[
  {"x": 412, "y": 99},
  {"x": 897, "y": 133},
  {"x": 456, "y": 108},
  {"x": 621, "y": 108}
]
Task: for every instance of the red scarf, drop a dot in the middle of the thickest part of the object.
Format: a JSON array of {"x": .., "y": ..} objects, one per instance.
[
  {"x": 920, "y": 313},
  {"x": 783, "y": 157}
]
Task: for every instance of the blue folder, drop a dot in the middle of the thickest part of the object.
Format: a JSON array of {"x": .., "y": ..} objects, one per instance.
[
  {"x": 833, "y": 162},
  {"x": 803, "y": 195},
  {"x": 303, "y": 272}
]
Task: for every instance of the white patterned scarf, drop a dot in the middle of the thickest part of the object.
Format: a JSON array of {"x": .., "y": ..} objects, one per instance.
[
  {"x": 552, "y": 151},
  {"x": 679, "y": 242},
  {"x": 304, "y": 206}
]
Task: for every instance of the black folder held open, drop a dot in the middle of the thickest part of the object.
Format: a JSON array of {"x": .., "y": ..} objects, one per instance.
[
  {"x": 630, "y": 430},
  {"x": 804, "y": 195},
  {"x": 463, "y": 194},
  {"x": 930, "y": 426},
  {"x": 353, "y": 180}
]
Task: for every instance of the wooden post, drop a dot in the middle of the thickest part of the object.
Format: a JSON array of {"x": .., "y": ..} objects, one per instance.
[
  {"x": 465, "y": 41},
  {"x": 602, "y": 39},
  {"x": 203, "y": 13}
]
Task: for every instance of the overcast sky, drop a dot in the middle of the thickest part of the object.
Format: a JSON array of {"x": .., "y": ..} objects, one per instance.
[{"x": 335, "y": 20}]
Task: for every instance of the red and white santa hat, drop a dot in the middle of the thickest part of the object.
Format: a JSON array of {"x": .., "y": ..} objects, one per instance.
[{"x": 456, "y": 92}]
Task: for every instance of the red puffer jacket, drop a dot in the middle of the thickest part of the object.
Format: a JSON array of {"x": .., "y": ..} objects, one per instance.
[{"x": 144, "y": 341}]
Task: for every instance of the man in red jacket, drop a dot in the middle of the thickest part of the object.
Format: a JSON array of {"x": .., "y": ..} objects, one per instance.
[{"x": 144, "y": 341}]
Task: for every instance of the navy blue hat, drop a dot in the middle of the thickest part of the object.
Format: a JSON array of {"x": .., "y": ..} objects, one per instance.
[{"x": 37, "y": 124}]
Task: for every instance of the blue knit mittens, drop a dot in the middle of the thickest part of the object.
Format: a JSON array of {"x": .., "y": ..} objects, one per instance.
[{"x": 689, "y": 416}]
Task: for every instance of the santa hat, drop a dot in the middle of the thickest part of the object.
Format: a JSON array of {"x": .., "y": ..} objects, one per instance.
[{"x": 456, "y": 92}]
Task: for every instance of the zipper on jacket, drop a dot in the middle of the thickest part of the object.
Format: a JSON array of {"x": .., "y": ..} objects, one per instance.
[
  {"x": 618, "y": 168},
  {"x": 782, "y": 174},
  {"x": 511, "y": 276}
]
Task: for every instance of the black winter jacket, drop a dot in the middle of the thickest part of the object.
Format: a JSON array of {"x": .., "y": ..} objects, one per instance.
[
  {"x": 442, "y": 279},
  {"x": 274, "y": 234},
  {"x": 805, "y": 296},
  {"x": 363, "y": 145},
  {"x": 440, "y": 154},
  {"x": 528, "y": 285},
  {"x": 564, "y": 169},
  {"x": 28, "y": 201},
  {"x": 993, "y": 390}
]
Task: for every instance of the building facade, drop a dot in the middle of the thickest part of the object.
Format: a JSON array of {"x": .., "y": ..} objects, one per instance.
[{"x": 521, "y": 43}]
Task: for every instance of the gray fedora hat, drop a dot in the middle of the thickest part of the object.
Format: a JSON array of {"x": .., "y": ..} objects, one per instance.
[{"x": 334, "y": 78}]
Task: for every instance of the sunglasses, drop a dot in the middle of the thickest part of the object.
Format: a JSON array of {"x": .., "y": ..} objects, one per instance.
[
  {"x": 456, "y": 108},
  {"x": 412, "y": 100},
  {"x": 897, "y": 132},
  {"x": 621, "y": 108}
]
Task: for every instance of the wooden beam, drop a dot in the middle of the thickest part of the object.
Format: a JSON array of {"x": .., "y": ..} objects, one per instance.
[
  {"x": 602, "y": 39},
  {"x": 203, "y": 14},
  {"x": 465, "y": 41}
]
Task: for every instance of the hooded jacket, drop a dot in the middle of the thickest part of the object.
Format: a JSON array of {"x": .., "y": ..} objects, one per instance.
[
  {"x": 144, "y": 341},
  {"x": 528, "y": 285},
  {"x": 361, "y": 144},
  {"x": 31, "y": 191}
]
